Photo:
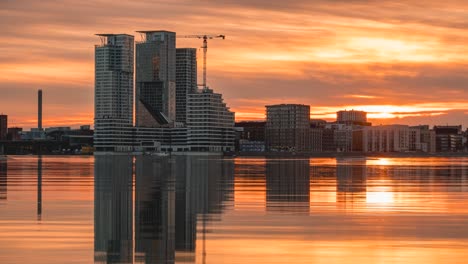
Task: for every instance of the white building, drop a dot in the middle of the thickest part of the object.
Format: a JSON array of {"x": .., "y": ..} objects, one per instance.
[
  {"x": 389, "y": 138},
  {"x": 422, "y": 139},
  {"x": 210, "y": 123},
  {"x": 113, "y": 93}
]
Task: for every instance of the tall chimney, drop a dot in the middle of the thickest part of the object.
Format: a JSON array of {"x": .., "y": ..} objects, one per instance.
[{"x": 39, "y": 109}]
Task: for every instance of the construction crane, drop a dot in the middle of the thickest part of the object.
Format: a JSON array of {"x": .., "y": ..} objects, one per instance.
[{"x": 205, "y": 49}]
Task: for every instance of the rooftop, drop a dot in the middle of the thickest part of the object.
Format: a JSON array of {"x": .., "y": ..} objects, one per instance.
[
  {"x": 111, "y": 34},
  {"x": 154, "y": 31}
]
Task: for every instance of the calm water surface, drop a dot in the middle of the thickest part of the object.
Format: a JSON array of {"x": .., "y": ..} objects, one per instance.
[{"x": 182, "y": 209}]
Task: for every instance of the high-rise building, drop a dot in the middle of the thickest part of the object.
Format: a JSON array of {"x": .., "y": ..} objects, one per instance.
[
  {"x": 186, "y": 79},
  {"x": 210, "y": 122},
  {"x": 3, "y": 127},
  {"x": 287, "y": 127},
  {"x": 156, "y": 79},
  {"x": 113, "y": 97}
]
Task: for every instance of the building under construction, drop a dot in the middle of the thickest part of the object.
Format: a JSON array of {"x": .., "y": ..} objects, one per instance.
[{"x": 172, "y": 114}]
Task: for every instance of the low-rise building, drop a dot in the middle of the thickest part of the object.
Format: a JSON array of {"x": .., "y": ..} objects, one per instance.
[
  {"x": 422, "y": 139},
  {"x": 448, "y": 138},
  {"x": 388, "y": 138},
  {"x": 315, "y": 138},
  {"x": 3, "y": 127},
  {"x": 14, "y": 133},
  {"x": 251, "y": 146}
]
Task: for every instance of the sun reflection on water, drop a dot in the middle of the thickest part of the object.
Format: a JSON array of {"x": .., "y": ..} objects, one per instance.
[{"x": 380, "y": 198}]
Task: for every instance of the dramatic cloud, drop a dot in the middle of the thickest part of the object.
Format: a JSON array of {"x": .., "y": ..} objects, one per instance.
[{"x": 403, "y": 61}]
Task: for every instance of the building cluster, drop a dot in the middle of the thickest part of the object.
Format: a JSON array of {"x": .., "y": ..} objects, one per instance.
[
  {"x": 288, "y": 128},
  {"x": 51, "y": 140},
  {"x": 171, "y": 113}
]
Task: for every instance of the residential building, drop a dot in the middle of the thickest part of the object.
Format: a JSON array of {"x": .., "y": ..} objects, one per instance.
[
  {"x": 156, "y": 79},
  {"x": 14, "y": 133},
  {"x": 448, "y": 138},
  {"x": 422, "y": 139},
  {"x": 210, "y": 122},
  {"x": 287, "y": 127},
  {"x": 315, "y": 123},
  {"x": 186, "y": 80},
  {"x": 337, "y": 137},
  {"x": 414, "y": 139},
  {"x": 3, "y": 127},
  {"x": 328, "y": 140},
  {"x": 166, "y": 139},
  {"x": 250, "y": 136},
  {"x": 352, "y": 117},
  {"x": 252, "y": 130},
  {"x": 343, "y": 138},
  {"x": 388, "y": 138},
  {"x": 315, "y": 139},
  {"x": 428, "y": 140},
  {"x": 113, "y": 98}
]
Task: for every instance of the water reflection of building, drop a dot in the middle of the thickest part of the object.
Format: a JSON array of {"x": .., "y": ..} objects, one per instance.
[
  {"x": 186, "y": 211},
  {"x": 287, "y": 185},
  {"x": 172, "y": 196},
  {"x": 39, "y": 188},
  {"x": 113, "y": 208},
  {"x": 3, "y": 179},
  {"x": 351, "y": 180},
  {"x": 154, "y": 210},
  {"x": 203, "y": 185},
  {"x": 430, "y": 175}
]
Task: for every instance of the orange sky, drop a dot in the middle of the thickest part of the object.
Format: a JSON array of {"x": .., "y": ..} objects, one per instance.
[{"x": 403, "y": 61}]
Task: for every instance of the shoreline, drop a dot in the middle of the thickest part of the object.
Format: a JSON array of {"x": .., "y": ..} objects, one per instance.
[
  {"x": 280, "y": 154},
  {"x": 350, "y": 154}
]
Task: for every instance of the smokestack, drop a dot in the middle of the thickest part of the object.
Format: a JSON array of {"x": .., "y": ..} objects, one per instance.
[{"x": 39, "y": 109}]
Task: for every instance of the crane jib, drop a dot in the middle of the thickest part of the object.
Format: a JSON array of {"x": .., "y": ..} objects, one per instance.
[{"x": 205, "y": 49}]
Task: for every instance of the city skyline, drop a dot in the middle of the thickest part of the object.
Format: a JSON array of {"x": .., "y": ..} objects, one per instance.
[{"x": 389, "y": 59}]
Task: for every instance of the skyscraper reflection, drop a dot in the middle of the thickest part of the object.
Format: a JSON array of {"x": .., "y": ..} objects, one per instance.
[
  {"x": 113, "y": 209},
  {"x": 288, "y": 185},
  {"x": 3, "y": 179},
  {"x": 154, "y": 210},
  {"x": 186, "y": 211},
  {"x": 351, "y": 180},
  {"x": 171, "y": 196}
]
